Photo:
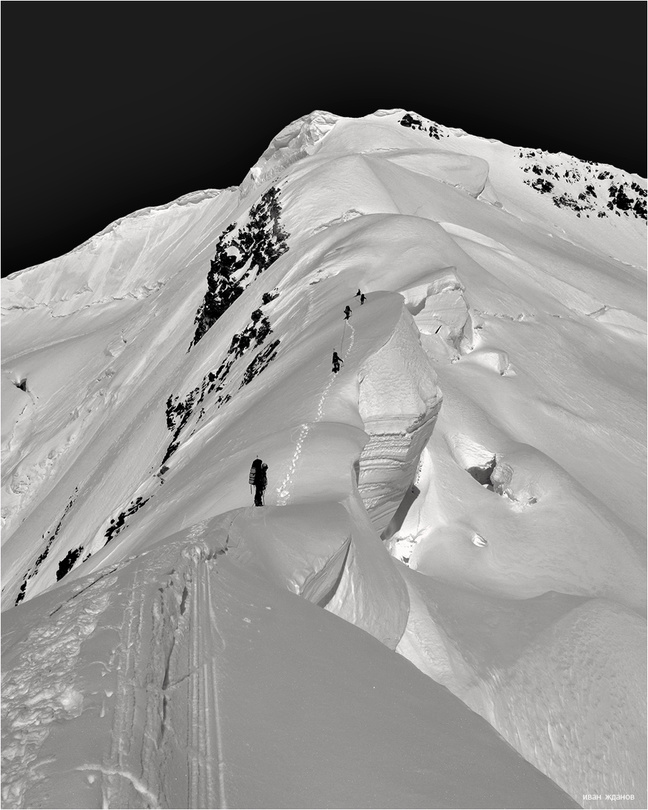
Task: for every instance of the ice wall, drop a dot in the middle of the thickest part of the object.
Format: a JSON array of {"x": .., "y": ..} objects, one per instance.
[{"x": 398, "y": 401}]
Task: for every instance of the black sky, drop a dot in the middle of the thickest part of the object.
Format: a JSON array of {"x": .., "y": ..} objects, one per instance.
[{"x": 110, "y": 106}]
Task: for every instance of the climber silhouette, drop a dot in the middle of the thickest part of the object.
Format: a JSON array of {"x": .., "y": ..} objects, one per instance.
[
  {"x": 260, "y": 485},
  {"x": 362, "y": 299},
  {"x": 357, "y": 294},
  {"x": 336, "y": 362},
  {"x": 347, "y": 312},
  {"x": 258, "y": 479}
]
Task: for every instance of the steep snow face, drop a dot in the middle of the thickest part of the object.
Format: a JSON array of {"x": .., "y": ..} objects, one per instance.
[
  {"x": 593, "y": 666},
  {"x": 486, "y": 427},
  {"x": 544, "y": 672},
  {"x": 399, "y": 402},
  {"x": 130, "y": 259}
]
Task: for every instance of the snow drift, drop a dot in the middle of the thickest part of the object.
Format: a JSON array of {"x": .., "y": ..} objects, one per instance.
[{"x": 450, "y": 564}]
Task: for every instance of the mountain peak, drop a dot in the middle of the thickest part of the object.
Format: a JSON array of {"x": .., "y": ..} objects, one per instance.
[
  {"x": 435, "y": 343},
  {"x": 297, "y": 140}
]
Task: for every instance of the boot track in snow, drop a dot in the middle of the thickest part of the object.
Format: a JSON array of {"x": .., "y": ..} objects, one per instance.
[{"x": 283, "y": 490}]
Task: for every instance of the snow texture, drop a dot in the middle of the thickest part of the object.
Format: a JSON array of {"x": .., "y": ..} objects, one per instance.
[{"x": 442, "y": 601}]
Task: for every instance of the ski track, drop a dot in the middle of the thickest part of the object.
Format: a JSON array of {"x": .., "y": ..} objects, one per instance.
[
  {"x": 206, "y": 788},
  {"x": 214, "y": 708},
  {"x": 283, "y": 490},
  {"x": 167, "y": 670},
  {"x": 114, "y": 772}
]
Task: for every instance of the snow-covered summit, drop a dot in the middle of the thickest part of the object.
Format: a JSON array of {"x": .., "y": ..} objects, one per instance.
[{"x": 454, "y": 520}]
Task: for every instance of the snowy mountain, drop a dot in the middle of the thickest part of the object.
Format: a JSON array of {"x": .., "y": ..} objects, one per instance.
[{"x": 442, "y": 602}]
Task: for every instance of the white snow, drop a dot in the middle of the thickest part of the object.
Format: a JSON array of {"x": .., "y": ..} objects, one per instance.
[{"x": 467, "y": 492}]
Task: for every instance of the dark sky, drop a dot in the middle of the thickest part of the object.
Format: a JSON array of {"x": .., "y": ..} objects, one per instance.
[{"x": 110, "y": 106}]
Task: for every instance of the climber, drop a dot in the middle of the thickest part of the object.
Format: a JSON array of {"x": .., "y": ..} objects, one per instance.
[
  {"x": 357, "y": 294},
  {"x": 336, "y": 362},
  {"x": 256, "y": 466},
  {"x": 347, "y": 312},
  {"x": 260, "y": 483},
  {"x": 362, "y": 299}
]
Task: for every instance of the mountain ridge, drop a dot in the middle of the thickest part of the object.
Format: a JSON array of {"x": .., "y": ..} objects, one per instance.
[{"x": 475, "y": 462}]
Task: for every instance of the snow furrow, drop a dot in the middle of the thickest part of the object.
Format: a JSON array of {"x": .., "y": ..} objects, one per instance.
[
  {"x": 195, "y": 719},
  {"x": 206, "y": 786},
  {"x": 203, "y": 786},
  {"x": 216, "y": 711}
]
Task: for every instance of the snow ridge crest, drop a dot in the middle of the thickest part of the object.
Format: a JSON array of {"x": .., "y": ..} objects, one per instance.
[{"x": 299, "y": 139}]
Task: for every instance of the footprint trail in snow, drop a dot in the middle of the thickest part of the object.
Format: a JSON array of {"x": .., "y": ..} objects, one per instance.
[{"x": 283, "y": 491}]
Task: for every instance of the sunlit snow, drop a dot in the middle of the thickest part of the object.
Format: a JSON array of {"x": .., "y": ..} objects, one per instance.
[{"x": 442, "y": 601}]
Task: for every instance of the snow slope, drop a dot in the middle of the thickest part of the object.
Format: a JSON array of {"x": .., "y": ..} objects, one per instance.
[
  {"x": 468, "y": 492},
  {"x": 194, "y": 681}
]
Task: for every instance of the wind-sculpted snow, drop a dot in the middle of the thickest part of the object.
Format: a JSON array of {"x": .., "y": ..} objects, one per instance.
[
  {"x": 440, "y": 310},
  {"x": 574, "y": 703},
  {"x": 556, "y": 675},
  {"x": 182, "y": 677},
  {"x": 461, "y": 171},
  {"x": 166, "y": 643},
  {"x": 531, "y": 547},
  {"x": 280, "y": 545},
  {"x": 294, "y": 142},
  {"x": 399, "y": 402}
]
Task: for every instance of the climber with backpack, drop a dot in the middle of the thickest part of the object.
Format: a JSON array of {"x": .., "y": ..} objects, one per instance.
[
  {"x": 260, "y": 485},
  {"x": 256, "y": 465},
  {"x": 258, "y": 479},
  {"x": 336, "y": 360}
]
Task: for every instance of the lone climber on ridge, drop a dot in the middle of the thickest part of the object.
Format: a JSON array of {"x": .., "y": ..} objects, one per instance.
[{"x": 258, "y": 480}]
